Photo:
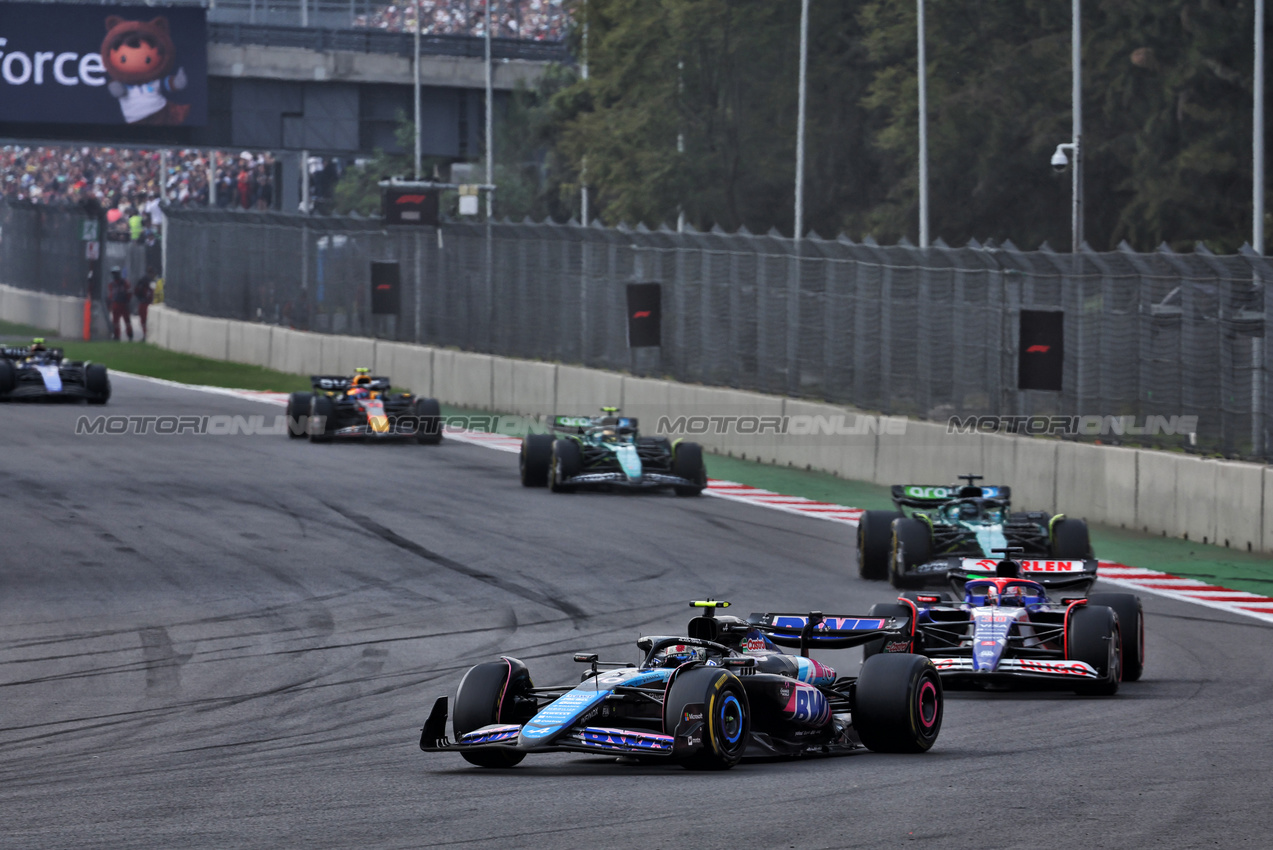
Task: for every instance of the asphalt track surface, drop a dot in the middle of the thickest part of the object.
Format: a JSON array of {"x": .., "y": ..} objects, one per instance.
[{"x": 233, "y": 641}]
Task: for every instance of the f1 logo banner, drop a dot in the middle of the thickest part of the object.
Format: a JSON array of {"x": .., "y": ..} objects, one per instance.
[
  {"x": 386, "y": 298},
  {"x": 645, "y": 315},
  {"x": 82, "y": 64},
  {"x": 410, "y": 206},
  {"x": 1042, "y": 350}
]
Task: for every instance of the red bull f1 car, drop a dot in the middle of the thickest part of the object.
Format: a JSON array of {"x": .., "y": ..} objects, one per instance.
[
  {"x": 362, "y": 408},
  {"x": 39, "y": 373},
  {"x": 705, "y": 700},
  {"x": 1000, "y": 628}
]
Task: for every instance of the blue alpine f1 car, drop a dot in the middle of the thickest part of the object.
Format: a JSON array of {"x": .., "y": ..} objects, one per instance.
[{"x": 706, "y": 700}]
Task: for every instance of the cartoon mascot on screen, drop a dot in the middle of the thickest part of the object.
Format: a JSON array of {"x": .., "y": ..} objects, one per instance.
[{"x": 138, "y": 57}]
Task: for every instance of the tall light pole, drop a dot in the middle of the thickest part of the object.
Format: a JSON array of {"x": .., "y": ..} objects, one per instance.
[
  {"x": 490, "y": 115},
  {"x": 583, "y": 166},
  {"x": 1074, "y": 147},
  {"x": 1076, "y": 98},
  {"x": 923, "y": 133},
  {"x": 804, "y": 67},
  {"x": 417, "y": 90},
  {"x": 1257, "y": 137}
]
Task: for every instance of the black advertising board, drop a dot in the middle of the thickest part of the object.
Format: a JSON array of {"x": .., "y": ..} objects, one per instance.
[
  {"x": 1042, "y": 350},
  {"x": 645, "y": 315},
  {"x": 409, "y": 206},
  {"x": 116, "y": 65}
]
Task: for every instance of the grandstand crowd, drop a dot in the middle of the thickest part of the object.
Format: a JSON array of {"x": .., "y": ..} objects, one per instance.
[
  {"x": 534, "y": 20},
  {"x": 126, "y": 182}
]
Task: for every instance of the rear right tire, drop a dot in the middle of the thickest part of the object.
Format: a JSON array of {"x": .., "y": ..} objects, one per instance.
[{"x": 898, "y": 703}]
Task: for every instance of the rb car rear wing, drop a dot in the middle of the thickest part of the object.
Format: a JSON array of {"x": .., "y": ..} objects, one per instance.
[
  {"x": 339, "y": 383},
  {"x": 927, "y": 496}
]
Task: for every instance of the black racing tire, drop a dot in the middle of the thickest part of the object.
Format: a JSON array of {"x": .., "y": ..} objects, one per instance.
[
  {"x": 687, "y": 463},
  {"x": 1070, "y": 540},
  {"x": 912, "y": 544},
  {"x": 321, "y": 406},
  {"x": 298, "y": 405},
  {"x": 429, "y": 425},
  {"x": 898, "y": 703},
  {"x": 97, "y": 383},
  {"x": 535, "y": 458},
  {"x": 8, "y": 376},
  {"x": 875, "y": 536},
  {"x": 884, "y": 609},
  {"x": 477, "y": 704},
  {"x": 1131, "y": 628},
  {"x": 726, "y": 715},
  {"x": 567, "y": 461},
  {"x": 1092, "y": 635}
]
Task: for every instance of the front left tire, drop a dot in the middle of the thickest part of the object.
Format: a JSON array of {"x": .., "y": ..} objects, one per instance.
[
  {"x": 898, "y": 703},
  {"x": 726, "y": 715},
  {"x": 687, "y": 463}
]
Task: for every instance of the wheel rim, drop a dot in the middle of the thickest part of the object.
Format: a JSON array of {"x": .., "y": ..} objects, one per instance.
[
  {"x": 927, "y": 705},
  {"x": 731, "y": 720}
]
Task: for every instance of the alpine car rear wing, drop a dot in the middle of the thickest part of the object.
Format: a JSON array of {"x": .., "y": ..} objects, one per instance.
[
  {"x": 925, "y": 496},
  {"x": 337, "y": 383},
  {"x": 815, "y": 629}
]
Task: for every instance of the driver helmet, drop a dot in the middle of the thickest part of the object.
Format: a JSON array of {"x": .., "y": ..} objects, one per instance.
[
  {"x": 1014, "y": 593},
  {"x": 969, "y": 510},
  {"x": 678, "y": 654},
  {"x": 609, "y": 435},
  {"x": 358, "y": 391},
  {"x": 992, "y": 595}
]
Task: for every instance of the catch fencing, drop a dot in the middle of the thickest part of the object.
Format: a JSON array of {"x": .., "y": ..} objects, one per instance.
[{"x": 931, "y": 333}]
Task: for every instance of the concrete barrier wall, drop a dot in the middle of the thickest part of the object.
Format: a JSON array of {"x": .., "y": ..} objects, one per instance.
[
  {"x": 1158, "y": 492},
  {"x": 60, "y": 315}
]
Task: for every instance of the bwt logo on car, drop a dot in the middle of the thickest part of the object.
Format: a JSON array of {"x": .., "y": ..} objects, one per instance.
[{"x": 808, "y": 705}]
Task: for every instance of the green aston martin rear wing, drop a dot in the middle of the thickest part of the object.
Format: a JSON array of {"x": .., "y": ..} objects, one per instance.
[{"x": 924, "y": 496}]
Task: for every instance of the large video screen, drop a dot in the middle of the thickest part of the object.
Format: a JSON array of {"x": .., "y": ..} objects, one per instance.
[{"x": 81, "y": 64}]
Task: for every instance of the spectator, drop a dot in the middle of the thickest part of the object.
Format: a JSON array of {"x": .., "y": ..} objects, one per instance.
[
  {"x": 533, "y": 20},
  {"x": 117, "y": 178},
  {"x": 118, "y": 295},
  {"x": 144, "y": 292},
  {"x": 136, "y": 224}
]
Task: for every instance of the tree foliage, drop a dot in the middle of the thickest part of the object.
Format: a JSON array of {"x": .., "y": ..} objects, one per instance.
[{"x": 1167, "y": 115}]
